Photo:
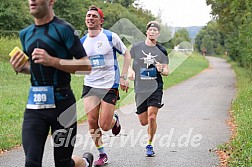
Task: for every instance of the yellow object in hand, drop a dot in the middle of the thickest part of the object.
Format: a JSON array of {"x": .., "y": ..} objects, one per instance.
[{"x": 17, "y": 49}]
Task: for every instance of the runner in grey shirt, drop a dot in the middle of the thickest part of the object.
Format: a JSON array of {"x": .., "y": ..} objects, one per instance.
[{"x": 149, "y": 65}]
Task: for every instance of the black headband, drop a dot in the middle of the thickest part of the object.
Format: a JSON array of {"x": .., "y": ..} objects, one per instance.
[{"x": 152, "y": 24}]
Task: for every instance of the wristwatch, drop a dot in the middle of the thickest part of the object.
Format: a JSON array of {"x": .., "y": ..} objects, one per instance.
[{"x": 123, "y": 77}]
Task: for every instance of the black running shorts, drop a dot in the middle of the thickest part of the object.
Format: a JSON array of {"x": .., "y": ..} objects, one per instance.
[
  {"x": 145, "y": 100},
  {"x": 108, "y": 95}
]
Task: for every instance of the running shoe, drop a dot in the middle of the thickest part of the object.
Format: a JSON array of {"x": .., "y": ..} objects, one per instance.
[
  {"x": 117, "y": 127},
  {"x": 102, "y": 160},
  {"x": 149, "y": 151},
  {"x": 89, "y": 157}
]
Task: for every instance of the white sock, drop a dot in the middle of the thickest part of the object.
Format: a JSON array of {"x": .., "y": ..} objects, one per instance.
[{"x": 86, "y": 162}]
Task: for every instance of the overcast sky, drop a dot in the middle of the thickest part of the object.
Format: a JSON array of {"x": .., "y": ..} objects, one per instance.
[{"x": 180, "y": 13}]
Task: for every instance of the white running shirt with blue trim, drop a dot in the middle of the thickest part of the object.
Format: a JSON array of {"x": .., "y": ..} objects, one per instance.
[{"x": 102, "y": 54}]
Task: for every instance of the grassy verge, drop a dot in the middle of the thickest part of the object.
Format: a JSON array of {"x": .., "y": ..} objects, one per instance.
[
  {"x": 239, "y": 150},
  {"x": 6, "y": 45},
  {"x": 189, "y": 68}
]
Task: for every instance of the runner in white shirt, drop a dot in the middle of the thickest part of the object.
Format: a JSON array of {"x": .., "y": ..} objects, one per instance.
[
  {"x": 105, "y": 72},
  {"x": 100, "y": 90}
]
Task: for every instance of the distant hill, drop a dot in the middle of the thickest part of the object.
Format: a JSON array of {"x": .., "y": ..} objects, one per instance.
[{"x": 193, "y": 31}]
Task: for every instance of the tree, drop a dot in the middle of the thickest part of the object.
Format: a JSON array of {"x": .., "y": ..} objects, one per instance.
[
  {"x": 208, "y": 44},
  {"x": 181, "y": 35},
  {"x": 234, "y": 21},
  {"x": 72, "y": 11},
  {"x": 124, "y": 3},
  {"x": 212, "y": 37},
  {"x": 14, "y": 15}
]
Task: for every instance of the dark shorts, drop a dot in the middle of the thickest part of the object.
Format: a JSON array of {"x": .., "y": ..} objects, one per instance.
[
  {"x": 108, "y": 95},
  {"x": 145, "y": 100}
]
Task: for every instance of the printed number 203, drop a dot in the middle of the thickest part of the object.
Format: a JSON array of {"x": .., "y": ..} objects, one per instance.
[{"x": 39, "y": 97}]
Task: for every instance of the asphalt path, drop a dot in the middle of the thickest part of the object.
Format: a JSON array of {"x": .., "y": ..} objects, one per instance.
[{"x": 191, "y": 125}]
